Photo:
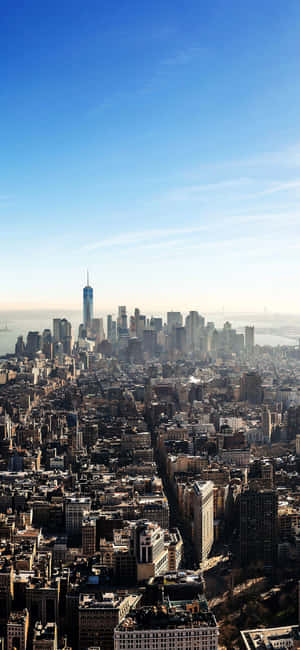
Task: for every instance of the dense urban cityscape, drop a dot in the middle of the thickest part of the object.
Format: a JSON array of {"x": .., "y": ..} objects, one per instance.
[{"x": 149, "y": 486}]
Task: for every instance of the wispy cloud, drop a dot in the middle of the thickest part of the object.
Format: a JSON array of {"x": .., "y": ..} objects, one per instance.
[
  {"x": 127, "y": 239},
  {"x": 193, "y": 191},
  {"x": 187, "y": 236},
  {"x": 179, "y": 58},
  {"x": 184, "y": 56},
  {"x": 240, "y": 247},
  {"x": 280, "y": 187}
]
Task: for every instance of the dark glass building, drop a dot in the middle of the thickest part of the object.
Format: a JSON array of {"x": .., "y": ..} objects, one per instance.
[{"x": 88, "y": 304}]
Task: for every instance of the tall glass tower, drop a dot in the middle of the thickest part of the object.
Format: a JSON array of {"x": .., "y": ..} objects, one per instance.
[{"x": 88, "y": 304}]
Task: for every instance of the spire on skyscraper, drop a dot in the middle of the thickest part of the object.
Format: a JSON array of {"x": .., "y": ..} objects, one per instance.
[{"x": 88, "y": 307}]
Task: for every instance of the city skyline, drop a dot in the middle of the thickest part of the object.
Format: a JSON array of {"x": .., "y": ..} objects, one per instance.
[
  {"x": 159, "y": 148},
  {"x": 150, "y": 325}
]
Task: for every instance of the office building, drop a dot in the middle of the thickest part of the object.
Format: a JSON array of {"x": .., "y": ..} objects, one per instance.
[
  {"x": 174, "y": 319},
  {"x": 270, "y": 638},
  {"x": 62, "y": 333},
  {"x": 47, "y": 343},
  {"x": 56, "y": 330},
  {"x": 98, "y": 619},
  {"x": 6, "y": 591},
  {"x": 266, "y": 423},
  {"x": 194, "y": 324},
  {"x": 149, "y": 341},
  {"x": 88, "y": 537},
  {"x": 45, "y": 636},
  {"x": 34, "y": 344},
  {"x": 122, "y": 318},
  {"x": 20, "y": 347},
  {"x": 111, "y": 334},
  {"x": 150, "y": 550},
  {"x": 251, "y": 388},
  {"x": 258, "y": 526},
  {"x": 203, "y": 525},
  {"x": 42, "y": 600},
  {"x": 292, "y": 422},
  {"x": 17, "y": 630},
  {"x": 88, "y": 304},
  {"x": 180, "y": 339},
  {"x": 75, "y": 509},
  {"x": 169, "y": 625},
  {"x": 249, "y": 339}
]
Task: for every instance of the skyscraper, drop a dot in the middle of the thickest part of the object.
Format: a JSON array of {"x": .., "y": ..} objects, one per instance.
[
  {"x": 258, "y": 526},
  {"x": 174, "y": 319},
  {"x": 109, "y": 327},
  {"x": 203, "y": 498},
  {"x": 122, "y": 317},
  {"x": 88, "y": 306},
  {"x": 62, "y": 333},
  {"x": 249, "y": 339}
]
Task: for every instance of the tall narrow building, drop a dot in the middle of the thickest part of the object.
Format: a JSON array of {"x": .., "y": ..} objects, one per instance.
[
  {"x": 258, "y": 526},
  {"x": 203, "y": 525},
  {"x": 249, "y": 339},
  {"x": 88, "y": 304}
]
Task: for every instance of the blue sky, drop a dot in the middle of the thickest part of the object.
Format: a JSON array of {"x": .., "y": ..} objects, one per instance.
[{"x": 156, "y": 144}]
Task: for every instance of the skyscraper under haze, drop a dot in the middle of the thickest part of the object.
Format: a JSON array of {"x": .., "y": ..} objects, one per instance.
[
  {"x": 258, "y": 526},
  {"x": 88, "y": 304},
  {"x": 249, "y": 339}
]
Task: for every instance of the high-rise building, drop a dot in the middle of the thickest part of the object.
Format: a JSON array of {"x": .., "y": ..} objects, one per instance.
[
  {"x": 113, "y": 332},
  {"x": 47, "y": 343},
  {"x": 109, "y": 328},
  {"x": 150, "y": 551},
  {"x": 56, "y": 330},
  {"x": 251, "y": 388},
  {"x": 88, "y": 304},
  {"x": 149, "y": 341},
  {"x": 17, "y": 630},
  {"x": 156, "y": 324},
  {"x": 20, "y": 347},
  {"x": 174, "y": 319},
  {"x": 89, "y": 537},
  {"x": 75, "y": 509},
  {"x": 292, "y": 422},
  {"x": 42, "y": 600},
  {"x": 62, "y": 333},
  {"x": 178, "y": 625},
  {"x": 266, "y": 423},
  {"x": 203, "y": 500},
  {"x": 98, "y": 619},
  {"x": 34, "y": 343},
  {"x": 249, "y": 339},
  {"x": 122, "y": 318},
  {"x": 180, "y": 339},
  {"x": 45, "y": 636},
  {"x": 6, "y": 591},
  {"x": 194, "y": 324},
  {"x": 258, "y": 526}
]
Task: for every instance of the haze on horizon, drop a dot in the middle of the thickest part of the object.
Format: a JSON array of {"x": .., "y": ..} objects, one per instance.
[{"x": 158, "y": 146}]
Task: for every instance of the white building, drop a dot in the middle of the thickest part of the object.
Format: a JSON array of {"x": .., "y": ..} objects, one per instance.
[
  {"x": 271, "y": 638},
  {"x": 203, "y": 525},
  {"x": 150, "y": 550},
  {"x": 168, "y": 626}
]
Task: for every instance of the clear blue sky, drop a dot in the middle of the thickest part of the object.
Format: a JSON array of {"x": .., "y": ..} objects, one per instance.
[{"x": 156, "y": 143}]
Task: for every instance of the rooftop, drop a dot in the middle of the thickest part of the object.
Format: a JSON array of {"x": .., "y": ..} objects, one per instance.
[
  {"x": 170, "y": 615},
  {"x": 266, "y": 638}
]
